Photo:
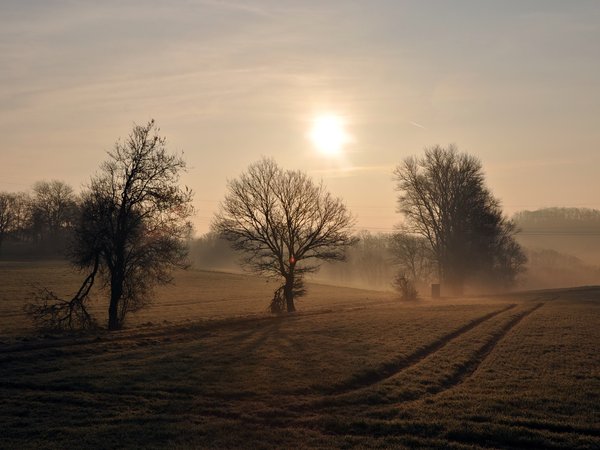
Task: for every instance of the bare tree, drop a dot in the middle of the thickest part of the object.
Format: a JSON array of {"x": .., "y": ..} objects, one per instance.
[
  {"x": 371, "y": 257},
  {"x": 133, "y": 224},
  {"x": 509, "y": 257},
  {"x": 284, "y": 224},
  {"x": 21, "y": 229},
  {"x": 444, "y": 200},
  {"x": 369, "y": 263},
  {"x": 53, "y": 210},
  {"x": 413, "y": 257},
  {"x": 7, "y": 214}
]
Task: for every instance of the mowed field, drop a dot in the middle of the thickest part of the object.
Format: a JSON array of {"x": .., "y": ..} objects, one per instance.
[{"x": 205, "y": 366}]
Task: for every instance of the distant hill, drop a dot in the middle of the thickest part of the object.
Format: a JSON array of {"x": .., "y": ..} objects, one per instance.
[
  {"x": 572, "y": 231},
  {"x": 580, "y": 220},
  {"x": 547, "y": 268}
]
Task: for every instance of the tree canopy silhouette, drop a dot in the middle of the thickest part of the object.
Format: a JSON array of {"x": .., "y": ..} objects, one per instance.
[
  {"x": 53, "y": 211},
  {"x": 132, "y": 229},
  {"x": 444, "y": 199},
  {"x": 284, "y": 224}
]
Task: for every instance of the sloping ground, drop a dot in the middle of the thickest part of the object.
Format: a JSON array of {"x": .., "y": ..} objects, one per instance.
[
  {"x": 517, "y": 372},
  {"x": 195, "y": 295}
]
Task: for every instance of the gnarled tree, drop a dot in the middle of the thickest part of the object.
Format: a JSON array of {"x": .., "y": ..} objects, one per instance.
[
  {"x": 284, "y": 224},
  {"x": 133, "y": 224}
]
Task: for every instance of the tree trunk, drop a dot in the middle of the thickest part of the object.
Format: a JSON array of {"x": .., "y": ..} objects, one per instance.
[
  {"x": 116, "y": 291},
  {"x": 289, "y": 292},
  {"x": 117, "y": 276}
]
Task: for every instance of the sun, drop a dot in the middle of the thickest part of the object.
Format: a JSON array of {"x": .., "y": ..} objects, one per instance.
[{"x": 328, "y": 134}]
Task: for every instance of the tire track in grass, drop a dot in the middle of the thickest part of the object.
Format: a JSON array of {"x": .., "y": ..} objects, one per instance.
[
  {"x": 467, "y": 369},
  {"x": 392, "y": 368}
]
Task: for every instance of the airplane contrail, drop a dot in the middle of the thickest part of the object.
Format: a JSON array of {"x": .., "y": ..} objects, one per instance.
[{"x": 417, "y": 125}]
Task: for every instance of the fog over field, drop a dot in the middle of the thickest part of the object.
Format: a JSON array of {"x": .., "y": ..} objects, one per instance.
[
  {"x": 299, "y": 224},
  {"x": 562, "y": 244}
]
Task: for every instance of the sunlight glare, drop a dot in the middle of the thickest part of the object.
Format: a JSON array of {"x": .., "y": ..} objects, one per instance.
[{"x": 328, "y": 134}]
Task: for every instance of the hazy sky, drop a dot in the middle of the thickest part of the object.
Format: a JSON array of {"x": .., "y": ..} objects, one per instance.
[{"x": 516, "y": 83}]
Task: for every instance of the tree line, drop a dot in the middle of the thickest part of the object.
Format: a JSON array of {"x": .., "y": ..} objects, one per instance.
[
  {"x": 130, "y": 227},
  {"x": 575, "y": 220},
  {"x": 38, "y": 222}
]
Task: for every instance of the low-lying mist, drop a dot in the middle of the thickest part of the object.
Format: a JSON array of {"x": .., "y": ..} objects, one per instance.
[{"x": 370, "y": 264}]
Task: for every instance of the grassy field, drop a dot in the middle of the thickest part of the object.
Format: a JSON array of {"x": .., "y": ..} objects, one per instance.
[
  {"x": 207, "y": 367},
  {"x": 195, "y": 295}
]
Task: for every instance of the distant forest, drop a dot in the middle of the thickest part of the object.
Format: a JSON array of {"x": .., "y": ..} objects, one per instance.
[{"x": 562, "y": 244}]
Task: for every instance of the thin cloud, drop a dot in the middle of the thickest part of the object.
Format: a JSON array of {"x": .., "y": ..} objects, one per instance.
[{"x": 415, "y": 124}]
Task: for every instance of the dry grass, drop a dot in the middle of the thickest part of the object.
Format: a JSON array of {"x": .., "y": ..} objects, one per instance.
[
  {"x": 195, "y": 295},
  {"x": 352, "y": 369}
]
